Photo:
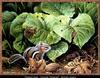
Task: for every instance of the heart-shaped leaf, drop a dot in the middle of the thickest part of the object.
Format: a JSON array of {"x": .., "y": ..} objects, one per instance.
[
  {"x": 81, "y": 28},
  {"x": 84, "y": 28}
]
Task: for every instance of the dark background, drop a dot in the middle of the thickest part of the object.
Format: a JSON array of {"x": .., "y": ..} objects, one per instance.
[{"x": 69, "y": 76}]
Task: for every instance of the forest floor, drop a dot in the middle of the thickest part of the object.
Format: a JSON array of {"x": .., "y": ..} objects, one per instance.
[{"x": 75, "y": 61}]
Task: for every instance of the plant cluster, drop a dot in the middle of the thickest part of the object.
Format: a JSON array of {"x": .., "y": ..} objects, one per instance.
[{"x": 57, "y": 24}]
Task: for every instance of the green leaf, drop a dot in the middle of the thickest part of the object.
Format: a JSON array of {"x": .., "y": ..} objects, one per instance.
[
  {"x": 57, "y": 50},
  {"x": 82, "y": 27},
  {"x": 16, "y": 25},
  {"x": 37, "y": 9},
  {"x": 92, "y": 10},
  {"x": 8, "y": 17},
  {"x": 5, "y": 44},
  {"x": 6, "y": 28},
  {"x": 35, "y": 27},
  {"x": 89, "y": 8},
  {"x": 62, "y": 28},
  {"x": 58, "y": 8},
  {"x": 42, "y": 26},
  {"x": 19, "y": 44},
  {"x": 17, "y": 31}
]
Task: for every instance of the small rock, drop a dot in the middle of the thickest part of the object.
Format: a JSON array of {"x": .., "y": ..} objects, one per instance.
[{"x": 52, "y": 67}]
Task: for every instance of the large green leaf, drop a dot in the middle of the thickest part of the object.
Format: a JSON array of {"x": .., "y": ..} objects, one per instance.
[
  {"x": 58, "y": 8},
  {"x": 82, "y": 27},
  {"x": 8, "y": 17},
  {"x": 17, "y": 31},
  {"x": 62, "y": 28},
  {"x": 57, "y": 50},
  {"x": 42, "y": 26},
  {"x": 16, "y": 25}
]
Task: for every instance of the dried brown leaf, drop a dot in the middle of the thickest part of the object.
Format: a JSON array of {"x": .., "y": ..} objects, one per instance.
[
  {"x": 32, "y": 66},
  {"x": 78, "y": 70},
  {"x": 78, "y": 66},
  {"x": 41, "y": 66},
  {"x": 36, "y": 66},
  {"x": 68, "y": 69},
  {"x": 85, "y": 66}
]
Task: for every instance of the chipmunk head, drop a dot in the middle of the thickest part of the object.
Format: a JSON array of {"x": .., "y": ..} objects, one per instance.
[{"x": 43, "y": 47}]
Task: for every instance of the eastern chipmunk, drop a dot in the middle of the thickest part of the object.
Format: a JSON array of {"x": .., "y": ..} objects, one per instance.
[{"x": 36, "y": 52}]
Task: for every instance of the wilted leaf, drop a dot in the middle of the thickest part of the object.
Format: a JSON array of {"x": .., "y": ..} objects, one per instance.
[{"x": 42, "y": 25}]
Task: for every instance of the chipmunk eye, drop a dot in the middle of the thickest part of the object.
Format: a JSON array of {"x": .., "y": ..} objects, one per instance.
[{"x": 46, "y": 48}]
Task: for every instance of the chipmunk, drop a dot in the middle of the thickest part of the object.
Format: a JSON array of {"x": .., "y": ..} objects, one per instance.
[{"x": 36, "y": 52}]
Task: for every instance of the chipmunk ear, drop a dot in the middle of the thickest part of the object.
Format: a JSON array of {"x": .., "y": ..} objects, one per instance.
[
  {"x": 17, "y": 59},
  {"x": 40, "y": 43}
]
